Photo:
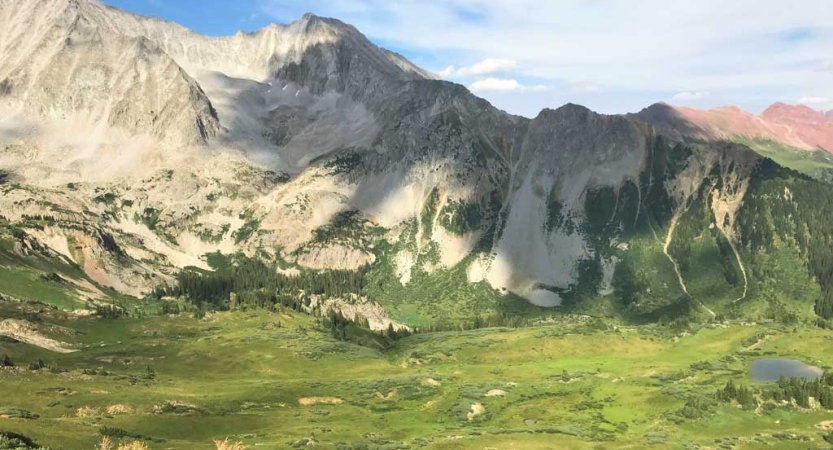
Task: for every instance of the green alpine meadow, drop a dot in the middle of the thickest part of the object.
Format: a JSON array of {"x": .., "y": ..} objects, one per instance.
[{"x": 290, "y": 237}]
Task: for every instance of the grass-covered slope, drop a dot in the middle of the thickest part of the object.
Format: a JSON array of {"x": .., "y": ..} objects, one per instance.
[
  {"x": 769, "y": 260},
  {"x": 818, "y": 164},
  {"x": 279, "y": 380},
  {"x": 785, "y": 224}
]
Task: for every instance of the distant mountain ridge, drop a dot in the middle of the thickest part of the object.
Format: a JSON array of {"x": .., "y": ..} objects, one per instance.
[
  {"x": 131, "y": 148},
  {"x": 798, "y": 126},
  {"x": 811, "y": 126}
]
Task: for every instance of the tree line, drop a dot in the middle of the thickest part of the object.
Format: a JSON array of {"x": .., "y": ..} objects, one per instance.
[
  {"x": 786, "y": 206},
  {"x": 793, "y": 389},
  {"x": 251, "y": 282}
]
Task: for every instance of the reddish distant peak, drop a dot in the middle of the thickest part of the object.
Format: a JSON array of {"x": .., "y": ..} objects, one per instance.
[
  {"x": 829, "y": 114},
  {"x": 782, "y": 111},
  {"x": 730, "y": 108}
]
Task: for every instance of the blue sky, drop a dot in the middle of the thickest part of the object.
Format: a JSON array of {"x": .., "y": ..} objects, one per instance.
[{"x": 613, "y": 56}]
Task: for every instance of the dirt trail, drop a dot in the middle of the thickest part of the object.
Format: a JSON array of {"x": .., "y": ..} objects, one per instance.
[
  {"x": 26, "y": 332},
  {"x": 674, "y": 262},
  {"x": 742, "y": 269},
  {"x": 665, "y": 246}
]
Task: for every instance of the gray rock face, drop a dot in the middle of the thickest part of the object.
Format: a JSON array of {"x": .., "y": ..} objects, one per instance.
[
  {"x": 309, "y": 121},
  {"x": 58, "y": 61}
]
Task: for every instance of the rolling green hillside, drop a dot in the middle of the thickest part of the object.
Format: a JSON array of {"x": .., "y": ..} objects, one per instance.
[{"x": 278, "y": 379}]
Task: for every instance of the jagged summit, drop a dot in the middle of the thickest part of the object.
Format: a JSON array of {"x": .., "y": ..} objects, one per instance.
[
  {"x": 307, "y": 143},
  {"x": 313, "y": 20},
  {"x": 59, "y": 60},
  {"x": 316, "y": 53}
]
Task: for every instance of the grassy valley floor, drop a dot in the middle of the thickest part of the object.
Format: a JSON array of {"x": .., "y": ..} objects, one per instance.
[{"x": 279, "y": 380}]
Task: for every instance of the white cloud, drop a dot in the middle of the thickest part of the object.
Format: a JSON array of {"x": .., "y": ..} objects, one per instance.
[
  {"x": 447, "y": 72},
  {"x": 690, "y": 96},
  {"x": 487, "y": 66},
  {"x": 814, "y": 100},
  {"x": 503, "y": 85},
  {"x": 746, "y": 52}
]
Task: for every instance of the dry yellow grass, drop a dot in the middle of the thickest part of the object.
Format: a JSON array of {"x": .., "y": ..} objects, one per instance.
[
  {"x": 431, "y": 382},
  {"x": 117, "y": 409},
  {"x": 476, "y": 410},
  {"x": 133, "y": 445},
  {"x": 225, "y": 444},
  {"x": 391, "y": 395},
  {"x": 309, "y": 401},
  {"x": 87, "y": 411},
  {"x": 105, "y": 444}
]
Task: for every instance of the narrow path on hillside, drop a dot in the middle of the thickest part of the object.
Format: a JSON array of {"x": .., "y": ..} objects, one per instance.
[
  {"x": 742, "y": 268},
  {"x": 668, "y": 238}
]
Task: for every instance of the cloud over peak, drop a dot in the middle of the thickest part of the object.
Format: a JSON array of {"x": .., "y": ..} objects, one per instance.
[
  {"x": 687, "y": 96},
  {"x": 504, "y": 85},
  {"x": 485, "y": 67},
  {"x": 749, "y": 53}
]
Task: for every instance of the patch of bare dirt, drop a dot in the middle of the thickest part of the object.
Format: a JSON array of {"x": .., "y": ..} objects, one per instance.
[
  {"x": 477, "y": 409},
  {"x": 827, "y": 425},
  {"x": 309, "y": 401}
]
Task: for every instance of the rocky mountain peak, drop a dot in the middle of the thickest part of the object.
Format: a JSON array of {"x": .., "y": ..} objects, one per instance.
[
  {"x": 316, "y": 27},
  {"x": 659, "y": 111},
  {"x": 68, "y": 58},
  {"x": 808, "y": 124},
  {"x": 326, "y": 139},
  {"x": 793, "y": 113},
  {"x": 568, "y": 109}
]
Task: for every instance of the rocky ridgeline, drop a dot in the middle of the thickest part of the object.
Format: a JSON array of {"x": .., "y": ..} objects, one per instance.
[{"x": 309, "y": 144}]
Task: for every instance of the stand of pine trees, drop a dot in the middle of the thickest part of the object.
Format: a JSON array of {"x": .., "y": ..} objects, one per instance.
[
  {"x": 798, "y": 390},
  {"x": 739, "y": 393},
  {"x": 801, "y": 390},
  {"x": 252, "y": 284},
  {"x": 786, "y": 206},
  {"x": 258, "y": 285}
]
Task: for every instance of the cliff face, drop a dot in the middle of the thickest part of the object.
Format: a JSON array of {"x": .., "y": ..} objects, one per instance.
[
  {"x": 58, "y": 61},
  {"x": 329, "y": 152}
]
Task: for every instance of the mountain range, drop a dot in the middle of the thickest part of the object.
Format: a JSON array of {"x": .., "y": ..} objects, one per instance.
[{"x": 132, "y": 149}]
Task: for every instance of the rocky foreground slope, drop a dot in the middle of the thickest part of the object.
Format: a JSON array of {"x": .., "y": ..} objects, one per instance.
[{"x": 131, "y": 147}]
